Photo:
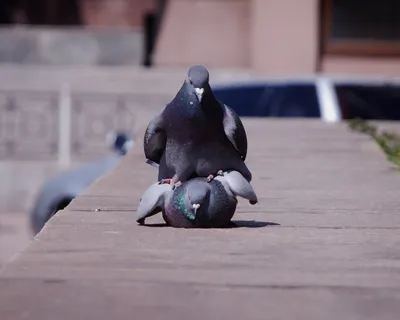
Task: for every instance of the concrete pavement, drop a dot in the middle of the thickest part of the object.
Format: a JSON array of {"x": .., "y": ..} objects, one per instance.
[{"x": 323, "y": 242}]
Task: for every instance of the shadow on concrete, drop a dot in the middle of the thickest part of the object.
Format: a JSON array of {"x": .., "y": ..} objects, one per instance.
[
  {"x": 154, "y": 225},
  {"x": 252, "y": 224},
  {"x": 234, "y": 224}
]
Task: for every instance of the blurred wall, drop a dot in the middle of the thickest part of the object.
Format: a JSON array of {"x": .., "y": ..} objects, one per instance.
[
  {"x": 389, "y": 67},
  {"x": 284, "y": 36},
  {"x": 113, "y": 33},
  {"x": 20, "y": 183},
  {"x": 112, "y": 13},
  {"x": 205, "y": 31},
  {"x": 273, "y": 37},
  {"x": 70, "y": 46}
]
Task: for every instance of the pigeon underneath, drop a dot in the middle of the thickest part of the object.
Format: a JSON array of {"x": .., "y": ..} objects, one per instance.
[
  {"x": 196, "y": 135},
  {"x": 196, "y": 203}
]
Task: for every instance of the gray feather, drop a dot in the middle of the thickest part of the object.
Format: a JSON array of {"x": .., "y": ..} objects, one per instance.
[
  {"x": 155, "y": 139},
  {"x": 153, "y": 201},
  {"x": 235, "y": 131},
  {"x": 238, "y": 185}
]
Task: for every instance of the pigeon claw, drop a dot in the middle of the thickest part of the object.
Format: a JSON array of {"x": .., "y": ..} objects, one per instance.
[
  {"x": 171, "y": 182},
  {"x": 211, "y": 176},
  {"x": 166, "y": 181},
  {"x": 176, "y": 185}
]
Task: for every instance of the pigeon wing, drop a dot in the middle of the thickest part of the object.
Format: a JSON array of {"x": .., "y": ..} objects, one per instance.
[
  {"x": 155, "y": 139},
  {"x": 235, "y": 131},
  {"x": 239, "y": 185},
  {"x": 152, "y": 201}
]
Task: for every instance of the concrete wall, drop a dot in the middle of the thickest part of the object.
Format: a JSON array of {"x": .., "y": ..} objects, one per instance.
[
  {"x": 284, "y": 36},
  {"x": 273, "y": 37},
  {"x": 241, "y": 33},
  {"x": 71, "y": 46},
  {"x": 125, "y": 13},
  {"x": 205, "y": 31},
  {"x": 112, "y": 35},
  {"x": 361, "y": 66}
]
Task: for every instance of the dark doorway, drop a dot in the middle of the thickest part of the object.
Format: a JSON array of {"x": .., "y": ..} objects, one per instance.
[
  {"x": 41, "y": 12},
  {"x": 152, "y": 24},
  {"x": 53, "y": 12},
  {"x": 8, "y": 9}
]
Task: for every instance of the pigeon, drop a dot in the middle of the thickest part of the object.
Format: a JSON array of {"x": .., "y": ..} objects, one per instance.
[
  {"x": 196, "y": 203},
  {"x": 196, "y": 135}
]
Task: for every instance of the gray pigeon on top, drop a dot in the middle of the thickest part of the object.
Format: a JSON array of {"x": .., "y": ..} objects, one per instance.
[
  {"x": 196, "y": 135},
  {"x": 196, "y": 203}
]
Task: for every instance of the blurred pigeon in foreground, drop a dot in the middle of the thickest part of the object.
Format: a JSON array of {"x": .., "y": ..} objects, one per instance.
[
  {"x": 196, "y": 203},
  {"x": 196, "y": 135},
  {"x": 58, "y": 192}
]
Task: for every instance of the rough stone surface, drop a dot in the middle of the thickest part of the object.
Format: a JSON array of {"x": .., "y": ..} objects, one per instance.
[{"x": 323, "y": 242}]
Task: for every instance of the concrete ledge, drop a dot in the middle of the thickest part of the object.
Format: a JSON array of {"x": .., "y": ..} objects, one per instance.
[
  {"x": 321, "y": 244},
  {"x": 71, "y": 46}
]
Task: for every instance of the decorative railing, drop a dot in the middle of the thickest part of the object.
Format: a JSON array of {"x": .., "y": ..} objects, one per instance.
[{"x": 60, "y": 126}]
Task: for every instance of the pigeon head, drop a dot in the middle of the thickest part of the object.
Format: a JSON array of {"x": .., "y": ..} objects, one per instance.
[
  {"x": 198, "y": 78},
  {"x": 198, "y": 194}
]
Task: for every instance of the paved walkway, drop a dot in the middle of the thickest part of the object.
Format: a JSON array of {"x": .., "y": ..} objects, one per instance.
[
  {"x": 15, "y": 234},
  {"x": 323, "y": 243}
]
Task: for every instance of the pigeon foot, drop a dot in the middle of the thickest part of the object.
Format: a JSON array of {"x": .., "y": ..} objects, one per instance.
[
  {"x": 211, "y": 176},
  {"x": 176, "y": 185},
  {"x": 171, "y": 182},
  {"x": 167, "y": 181}
]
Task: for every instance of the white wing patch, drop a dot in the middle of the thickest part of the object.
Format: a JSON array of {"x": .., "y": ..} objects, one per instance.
[{"x": 230, "y": 127}]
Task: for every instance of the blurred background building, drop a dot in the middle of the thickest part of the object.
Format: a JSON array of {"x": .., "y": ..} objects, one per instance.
[
  {"x": 268, "y": 36},
  {"x": 283, "y": 36}
]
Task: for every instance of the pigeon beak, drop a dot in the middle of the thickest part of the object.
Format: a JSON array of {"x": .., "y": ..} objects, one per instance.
[
  {"x": 195, "y": 206},
  {"x": 199, "y": 93}
]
